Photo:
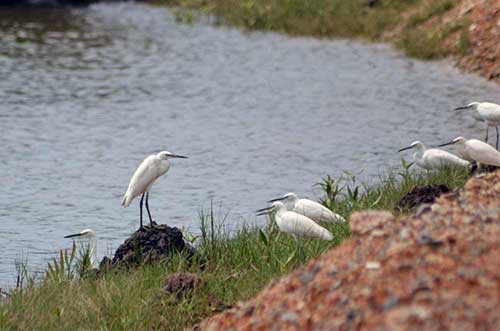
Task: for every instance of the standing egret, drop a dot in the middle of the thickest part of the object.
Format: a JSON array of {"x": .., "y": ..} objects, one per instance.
[
  {"x": 91, "y": 249},
  {"x": 154, "y": 166},
  {"x": 295, "y": 224},
  {"x": 433, "y": 158},
  {"x": 311, "y": 209},
  {"x": 485, "y": 111},
  {"x": 476, "y": 150}
]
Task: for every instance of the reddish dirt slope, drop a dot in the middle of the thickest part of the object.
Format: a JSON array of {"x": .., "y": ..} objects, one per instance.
[
  {"x": 437, "y": 271},
  {"x": 484, "y": 34}
]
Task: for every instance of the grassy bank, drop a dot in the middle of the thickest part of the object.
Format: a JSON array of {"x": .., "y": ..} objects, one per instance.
[
  {"x": 236, "y": 267},
  {"x": 415, "y": 26}
]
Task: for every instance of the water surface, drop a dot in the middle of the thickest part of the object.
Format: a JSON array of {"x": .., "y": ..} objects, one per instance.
[{"x": 85, "y": 94}]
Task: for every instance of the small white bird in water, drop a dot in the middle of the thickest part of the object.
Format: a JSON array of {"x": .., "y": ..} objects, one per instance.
[
  {"x": 485, "y": 111},
  {"x": 295, "y": 224},
  {"x": 153, "y": 167},
  {"x": 433, "y": 158},
  {"x": 476, "y": 150},
  {"x": 311, "y": 209},
  {"x": 88, "y": 235}
]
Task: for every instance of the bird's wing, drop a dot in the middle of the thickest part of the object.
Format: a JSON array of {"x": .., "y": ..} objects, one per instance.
[
  {"x": 482, "y": 152},
  {"x": 438, "y": 158},
  {"x": 147, "y": 172},
  {"x": 490, "y": 111},
  {"x": 316, "y": 211},
  {"x": 300, "y": 225}
]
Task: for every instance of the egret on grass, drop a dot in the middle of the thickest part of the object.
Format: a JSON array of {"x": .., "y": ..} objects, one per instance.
[
  {"x": 295, "y": 224},
  {"x": 476, "y": 150},
  {"x": 311, "y": 209},
  {"x": 485, "y": 111},
  {"x": 153, "y": 167},
  {"x": 89, "y": 236},
  {"x": 433, "y": 158}
]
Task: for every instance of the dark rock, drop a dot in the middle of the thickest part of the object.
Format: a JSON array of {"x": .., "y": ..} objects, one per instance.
[
  {"x": 105, "y": 263},
  {"x": 420, "y": 195},
  {"x": 426, "y": 239},
  {"x": 151, "y": 244},
  {"x": 181, "y": 283}
]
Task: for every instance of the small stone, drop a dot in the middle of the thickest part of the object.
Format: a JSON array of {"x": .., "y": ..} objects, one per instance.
[
  {"x": 289, "y": 317},
  {"x": 181, "y": 283},
  {"x": 364, "y": 222},
  {"x": 372, "y": 265}
]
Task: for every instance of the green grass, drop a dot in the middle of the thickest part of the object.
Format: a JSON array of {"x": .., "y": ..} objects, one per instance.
[
  {"x": 336, "y": 19},
  {"x": 236, "y": 266},
  {"x": 297, "y": 17},
  {"x": 432, "y": 9}
]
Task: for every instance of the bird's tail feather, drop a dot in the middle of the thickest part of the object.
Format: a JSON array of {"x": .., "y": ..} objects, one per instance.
[
  {"x": 125, "y": 201},
  {"x": 326, "y": 235}
]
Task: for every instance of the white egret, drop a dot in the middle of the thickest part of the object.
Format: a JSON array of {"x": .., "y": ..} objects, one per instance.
[
  {"x": 311, "y": 209},
  {"x": 91, "y": 248},
  {"x": 147, "y": 173},
  {"x": 485, "y": 111},
  {"x": 433, "y": 158},
  {"x": 295, "y": 224},
  {"x": 476, "y": 150}
]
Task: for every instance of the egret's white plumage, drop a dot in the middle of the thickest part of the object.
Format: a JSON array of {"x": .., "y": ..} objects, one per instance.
[
  {"x": 485, "y": 111},
  {"x": 153, "y": 167},
  {"x": 311, "y": 209},
  {"x": 433, "y": 158},
  {"x": 89, "y": 236},
  {"x": 476, "y": 150},
  {"x": 296, "y": 224}
]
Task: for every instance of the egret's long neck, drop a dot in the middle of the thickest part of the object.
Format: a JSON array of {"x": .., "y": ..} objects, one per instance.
[
  {"x": 291, "y": 202},
  {"x": 280, "y": 210},
  {"x": 165, "y": 164},
  {"x": 420, "y": 152}
]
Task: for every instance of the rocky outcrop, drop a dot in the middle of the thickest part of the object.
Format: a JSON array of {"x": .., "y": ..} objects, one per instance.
[
  {"x": 148, "y": 245},
  {"x": 420, "y": 195},
  {"x": 436, "y": 271}
]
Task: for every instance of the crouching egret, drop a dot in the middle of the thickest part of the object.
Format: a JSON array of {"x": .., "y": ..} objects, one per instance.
[
  {"x": 485, "y": 111},
  {"x": 311, "y": 209},
  {"x": 433, "y": 158},
  {"x": 91, "y": 246},
  {"x": 476, "y": 150},
  {"x": 153, "y": 167},
  {"x": 295, "y": 224}
]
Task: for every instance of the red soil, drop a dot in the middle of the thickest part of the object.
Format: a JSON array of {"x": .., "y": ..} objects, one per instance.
[{"x": 437, "y": 271}]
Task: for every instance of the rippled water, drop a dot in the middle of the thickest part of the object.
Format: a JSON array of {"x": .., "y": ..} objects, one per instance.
[{"x": 85, "y": 94}]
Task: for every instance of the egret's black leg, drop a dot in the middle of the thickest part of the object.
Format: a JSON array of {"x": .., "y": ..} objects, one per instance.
[
  {"x": 486, "y": 139},
  {"x": 498, "y": 135},
  {"x": 147, "y": 208},
  {"x": 142, "y": 198}
]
